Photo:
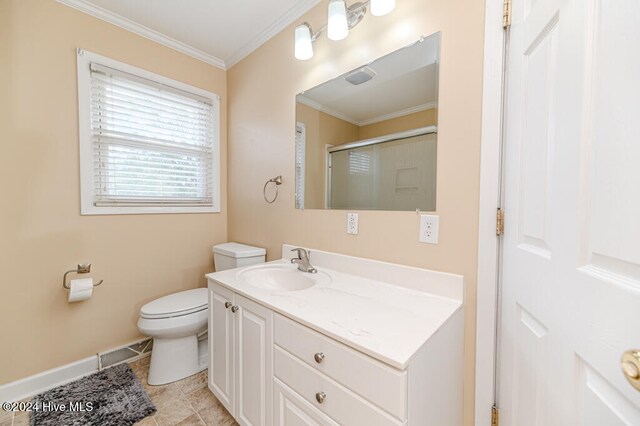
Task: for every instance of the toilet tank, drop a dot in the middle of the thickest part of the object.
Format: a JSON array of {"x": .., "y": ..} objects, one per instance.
[{"x": 235, "y": 255}]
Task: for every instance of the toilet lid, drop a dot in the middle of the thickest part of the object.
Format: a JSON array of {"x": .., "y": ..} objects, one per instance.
[{"x": 176, "y": 304}]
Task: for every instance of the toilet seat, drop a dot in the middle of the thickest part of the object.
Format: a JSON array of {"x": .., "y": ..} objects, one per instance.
[{"x": 176, "y": 304}]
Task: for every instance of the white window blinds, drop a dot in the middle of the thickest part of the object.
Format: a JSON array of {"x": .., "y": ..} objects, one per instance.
[
  {"x": 153, "y": 144},
  {"x": 300, "y": 169}
]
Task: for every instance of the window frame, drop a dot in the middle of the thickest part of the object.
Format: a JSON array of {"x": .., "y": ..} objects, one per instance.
[
  {"x": 301, "y": 143},
  {"x": 87, "y": 193}
]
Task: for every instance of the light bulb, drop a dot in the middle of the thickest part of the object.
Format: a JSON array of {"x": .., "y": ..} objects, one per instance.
[
  {"x": 382, "y": 7},
  {"x": 304, "y": 48},
  {"x": 337, "y": 27}
]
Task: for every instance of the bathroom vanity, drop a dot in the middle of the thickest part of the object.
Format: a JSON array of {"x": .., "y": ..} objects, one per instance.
[{"x": 360, "y": 342}]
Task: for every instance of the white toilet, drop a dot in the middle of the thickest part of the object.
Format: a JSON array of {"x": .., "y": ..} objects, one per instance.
[{"x": 178, "y": 322}]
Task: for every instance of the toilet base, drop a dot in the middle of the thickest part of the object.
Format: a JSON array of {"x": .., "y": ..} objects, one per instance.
[{"x": 174, "y": 359}]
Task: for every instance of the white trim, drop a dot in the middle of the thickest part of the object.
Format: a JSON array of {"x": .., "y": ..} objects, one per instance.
[
  {"x": 41, "y": 382},
  {"x": 86, "y": 153},
  {"x": 489, "y": 200},
  {"x": 327, "y": 177},
  {"x": 396, "y": 114},
  {"x": 319, "y": 107},
  {"x": 302, "y": 129},
  {"x": 141, "y": 30},
  {"x": 38, "y": 383},
  {"x": 401, "y": 113},
  {"x": 300, "y": 8}
]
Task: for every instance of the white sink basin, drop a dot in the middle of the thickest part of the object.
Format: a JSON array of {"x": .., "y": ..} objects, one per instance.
[{"x": 282, "y": 277}]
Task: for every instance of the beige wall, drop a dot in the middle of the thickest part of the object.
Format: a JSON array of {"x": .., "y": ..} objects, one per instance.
[
  {"x": 261, "y": 145},
  {"x": 41, "y": 231},
  {"x": 321, "y": 129},
  {"x": 416, "y": 120}
]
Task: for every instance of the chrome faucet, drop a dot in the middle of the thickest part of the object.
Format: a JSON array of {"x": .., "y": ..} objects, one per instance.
[{"x": 303, "y": 261}]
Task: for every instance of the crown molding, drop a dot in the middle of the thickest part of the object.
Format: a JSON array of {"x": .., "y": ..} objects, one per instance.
[
  {"x": 141, "y": 30},
  {"x": 301, "y": 7},
  {"x": 319, "y": 107},
  {"x": 315, "y": 105},
  {"x": 401, "y": 113}
]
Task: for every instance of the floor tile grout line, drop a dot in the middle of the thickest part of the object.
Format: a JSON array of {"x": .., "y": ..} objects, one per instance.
[{"x": 190, "y": 404}]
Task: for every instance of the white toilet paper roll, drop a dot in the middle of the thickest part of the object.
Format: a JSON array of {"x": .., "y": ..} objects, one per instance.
[{"x": 81, "y": 289}]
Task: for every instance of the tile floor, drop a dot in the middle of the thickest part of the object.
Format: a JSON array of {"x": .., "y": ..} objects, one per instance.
[{"x": 187, "y": 402}]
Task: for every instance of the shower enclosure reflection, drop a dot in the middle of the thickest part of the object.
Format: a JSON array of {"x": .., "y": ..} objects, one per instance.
[{"x": 367, "y": 140}]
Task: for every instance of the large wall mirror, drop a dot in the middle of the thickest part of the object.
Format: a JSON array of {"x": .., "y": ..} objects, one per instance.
[{"x": 367, "y": 140}]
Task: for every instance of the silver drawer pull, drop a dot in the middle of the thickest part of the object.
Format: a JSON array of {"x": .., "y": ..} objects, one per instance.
[
  {"x": 318, "y": 357},
  {"x": 320, "y": 396},
  {"x": 234, "y": 309},
  {"x": 227, "y": 304}
]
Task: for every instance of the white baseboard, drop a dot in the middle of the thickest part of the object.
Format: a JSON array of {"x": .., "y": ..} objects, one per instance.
[
  {"x": 33, "y": 385},
  {"x": 38, "y": 383}
]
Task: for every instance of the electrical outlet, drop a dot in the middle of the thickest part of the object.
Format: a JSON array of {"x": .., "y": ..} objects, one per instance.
[
  {"x": 429, "y": 228},
  {"x": 352, "y": 223}
]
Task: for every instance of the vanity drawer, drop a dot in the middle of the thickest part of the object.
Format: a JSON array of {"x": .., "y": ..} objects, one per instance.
[
  {"x": 376, "y": 382},
  {"x": 290, "y": 409},
  {"x": 339, "y": 403}
]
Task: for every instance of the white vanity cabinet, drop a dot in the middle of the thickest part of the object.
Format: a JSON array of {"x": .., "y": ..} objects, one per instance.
[
  {"x": 344, "y": 385},
  {"x": 268, "y": 369},
  {"x": 240, "y": 355},
  {"x": 384, "y": 386},
  {"x": 291, "y": 409},
  {"x": 367, "y": 344}
]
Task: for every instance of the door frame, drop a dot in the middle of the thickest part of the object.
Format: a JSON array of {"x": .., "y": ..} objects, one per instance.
[{"x": 488, "y": 242}]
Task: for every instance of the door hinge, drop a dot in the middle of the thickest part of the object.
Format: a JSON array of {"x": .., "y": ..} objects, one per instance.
[
  {"x": 506, "y": 14},
  {"x": 499, "y": 221},
  {"x": 495, "y": 416}
]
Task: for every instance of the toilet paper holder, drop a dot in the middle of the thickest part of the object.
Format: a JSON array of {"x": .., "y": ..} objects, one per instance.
[{"x": 83, "y": 268}]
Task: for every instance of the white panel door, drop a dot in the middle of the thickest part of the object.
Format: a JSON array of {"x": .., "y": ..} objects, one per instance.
[
  {"x": 571, "y": 254},
  {"x": 221, "y": 345},
  {"x": 254, "y": 360}
]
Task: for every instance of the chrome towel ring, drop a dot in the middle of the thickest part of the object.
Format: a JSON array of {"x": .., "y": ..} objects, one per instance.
[{"x": 278, "y": 181}]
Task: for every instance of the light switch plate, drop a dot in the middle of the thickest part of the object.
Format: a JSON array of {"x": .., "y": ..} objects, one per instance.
[
  {"x": 429, "y": 228},
  {"x": 352, "y": 223}
]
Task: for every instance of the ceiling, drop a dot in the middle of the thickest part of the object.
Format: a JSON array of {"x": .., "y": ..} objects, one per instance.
[
  {"x": 406, "y": 81},
  {"x": 220, "y": 32}
]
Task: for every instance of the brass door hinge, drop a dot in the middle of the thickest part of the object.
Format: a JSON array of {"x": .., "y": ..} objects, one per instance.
[
  {"x": 506, "y": 14},
  {"x": 499, "y": 222},
  {"x": 495, "y": 416}
]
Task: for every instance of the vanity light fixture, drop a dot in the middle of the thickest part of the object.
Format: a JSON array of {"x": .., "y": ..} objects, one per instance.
[
  {"x": 304, "y": 48},
  {"x": 337, "y": 26},
  {"x": 382, "y": 7},
  {"x": 341, "y": 19}
]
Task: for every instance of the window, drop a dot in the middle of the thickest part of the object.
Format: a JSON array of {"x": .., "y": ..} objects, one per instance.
[
  {"x": 359, "y": 163},
  {"x": 301, "y": 139},
  {"x": 148, "y": 144}
]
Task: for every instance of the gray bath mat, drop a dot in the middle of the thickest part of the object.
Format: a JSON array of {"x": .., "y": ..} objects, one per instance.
[{"x": 110, "y": 397}]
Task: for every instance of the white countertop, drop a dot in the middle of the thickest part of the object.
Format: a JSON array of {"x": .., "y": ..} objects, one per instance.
[{"x": 385, "y": 321}]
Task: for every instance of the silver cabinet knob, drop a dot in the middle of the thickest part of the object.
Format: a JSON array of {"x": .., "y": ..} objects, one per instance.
[
  {"x": 234, "y": 309},
  {"x": 227, "y": 304},
  {"x": 320, "y": 397},
  {"x": 630, "y": 364},
  {"x": 318, "y": 357}
]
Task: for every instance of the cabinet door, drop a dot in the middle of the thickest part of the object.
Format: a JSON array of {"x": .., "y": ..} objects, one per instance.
[
  {"x": 254, "y": 355},
  {"x": 221, "y": 345},
  {"x": 290, "y": 409}
]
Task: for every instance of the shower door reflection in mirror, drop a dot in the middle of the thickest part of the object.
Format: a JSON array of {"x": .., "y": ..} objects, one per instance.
[{"x": 367, "y": 140}]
